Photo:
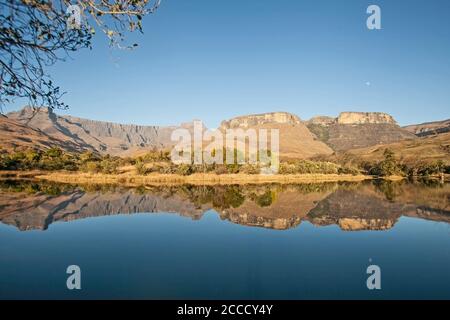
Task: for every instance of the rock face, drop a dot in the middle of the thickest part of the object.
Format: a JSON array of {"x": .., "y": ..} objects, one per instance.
[
  {"x": 296, "y": 141},
  {"x": 103, "y": 137},
  {"x": 365, "y": 118},
  {"x": 429, "y": 128},
  {"x": 352, "y": 130},
  {"x": 261, "y": 119}
]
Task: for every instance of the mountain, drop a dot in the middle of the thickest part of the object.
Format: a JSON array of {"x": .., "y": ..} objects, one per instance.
[
  {"x": 429, "y": 128},
  {"x": 100, "y": 136},
  {"x": 357, "y": 130},
  {"x": 15, "y": 135},
  {"x": 319, "y": 136},
  {"x": 296, "y": 140}
]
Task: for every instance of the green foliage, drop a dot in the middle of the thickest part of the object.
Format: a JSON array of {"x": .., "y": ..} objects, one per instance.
[
  {"x": 265, "y": 200},
  {"x": 230, "y": 197},
  {"x": 308, "y": 167},
  {"x": 388, "y": 167},
  {"x": 141, "y": 168},
  {"x": 388, "y": 188},
  {"x": 434, "y": 168},
  {"x": 348, "y": 170}
]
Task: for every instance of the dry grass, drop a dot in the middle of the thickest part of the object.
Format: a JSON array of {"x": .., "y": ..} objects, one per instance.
[
  {"x": 19, "y": 174},
  {"x": 196, "y": 179}
]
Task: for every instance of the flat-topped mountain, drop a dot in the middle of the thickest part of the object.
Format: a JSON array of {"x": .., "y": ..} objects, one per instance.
[
  {"x": 260, "y": 119},
  {"x": 365, "y": 118},
  {"x": 357, "y": 130},
  {"x": 350, "y": 117}
]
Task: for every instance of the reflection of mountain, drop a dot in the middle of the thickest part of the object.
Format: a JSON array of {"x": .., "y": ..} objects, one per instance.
[
  {"x": 351, "y": 207},
  {"x": 287, "y": 210},
  {"x": 39, "y": 211},
  {"x": 366, "y": 209}
]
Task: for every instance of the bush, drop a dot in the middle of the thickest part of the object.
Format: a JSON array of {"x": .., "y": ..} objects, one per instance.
[
  {"x": 141, "y": 169},
  {"x": 348, "y": 170},
  {"x": 221, "y": 169},
  {"x": 249, "y": 169},
  {"x": 91, "y": 167},
  {"x": 308, "y": 167},
  {"x": 184, "y": 169}
]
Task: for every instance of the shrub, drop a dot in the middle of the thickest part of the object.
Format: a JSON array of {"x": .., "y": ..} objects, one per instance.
[
  {"x": 91, "y": 167},
  {"x": 184, "y": 169},
  {"x": 348, "y": 170},
  {"x": 249, "y": 169},
  {"x": 141, "y": 169},
  {"x": 220, "y": 169}
]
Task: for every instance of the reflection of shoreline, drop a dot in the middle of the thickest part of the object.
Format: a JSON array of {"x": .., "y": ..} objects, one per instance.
[{"x": 351, "y": 206}]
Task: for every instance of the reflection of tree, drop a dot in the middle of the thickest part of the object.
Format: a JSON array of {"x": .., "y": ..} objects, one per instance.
[
  {"x": 390, "y": 189},
  {"x": 265, "y": 199},
  {"x": 230, "y": 197}
]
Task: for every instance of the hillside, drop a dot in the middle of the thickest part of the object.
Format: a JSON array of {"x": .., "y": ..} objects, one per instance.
[
  {"x": 357, "y": 130},
  {"x": 296, "y": 141},
  {"x": 429, "y": 128},
  {"x": 424, "y": 149},
  {"x": 103, "y": 137},
  {"x": 15, "y": 136}
]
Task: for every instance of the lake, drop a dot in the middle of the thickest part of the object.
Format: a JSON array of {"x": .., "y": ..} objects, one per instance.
[{"x": 304, "y": 241}]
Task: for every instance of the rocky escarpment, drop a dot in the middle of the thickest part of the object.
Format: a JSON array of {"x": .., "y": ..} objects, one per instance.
[
  {"x": 429, "y": 128},
  {"x": 357, "y": 130},
  {"x": 365, "y": 118},
  {"x": 261, "y": 119},
  {"x": 100, "y": 136}
]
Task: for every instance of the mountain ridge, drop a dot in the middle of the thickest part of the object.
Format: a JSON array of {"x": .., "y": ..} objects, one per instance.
[{"x": 321, "y": 135}]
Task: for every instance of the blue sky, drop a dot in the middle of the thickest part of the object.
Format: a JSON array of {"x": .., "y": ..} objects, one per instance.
[{"x": 215, "y": 59}]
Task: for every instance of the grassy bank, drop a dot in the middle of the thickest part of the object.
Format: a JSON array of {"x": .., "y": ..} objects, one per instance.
[{"x": 196, "y": 179}]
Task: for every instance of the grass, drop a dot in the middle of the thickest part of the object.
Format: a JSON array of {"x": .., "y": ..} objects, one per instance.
[{"x": 195, "y": 179}]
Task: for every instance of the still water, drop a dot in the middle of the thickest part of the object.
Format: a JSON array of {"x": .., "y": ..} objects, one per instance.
[{"x": 307, "y": 241}]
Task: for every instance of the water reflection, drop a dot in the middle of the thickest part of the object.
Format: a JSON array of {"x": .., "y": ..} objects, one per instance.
[{"x": 375, "y": 205}]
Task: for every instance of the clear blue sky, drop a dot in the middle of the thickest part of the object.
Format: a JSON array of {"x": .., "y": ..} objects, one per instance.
[{"x": 215, "y": 59}]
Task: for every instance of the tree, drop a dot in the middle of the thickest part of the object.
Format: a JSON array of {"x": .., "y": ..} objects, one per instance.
[
  {"x": 388, "y": 166},
  {"x": 35, "y": 34}
]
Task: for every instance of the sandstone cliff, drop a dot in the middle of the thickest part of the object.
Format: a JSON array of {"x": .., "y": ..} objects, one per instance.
[
  {"x": 364, "y": 118},
  {"x": 357, "y": 130},
  {"x": 261, "y": 119}
]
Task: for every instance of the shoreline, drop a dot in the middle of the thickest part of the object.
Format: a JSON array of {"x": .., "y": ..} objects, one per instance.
[
  {"x": 196, "y": 179},
  {"x": 128, "y": 179}
]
